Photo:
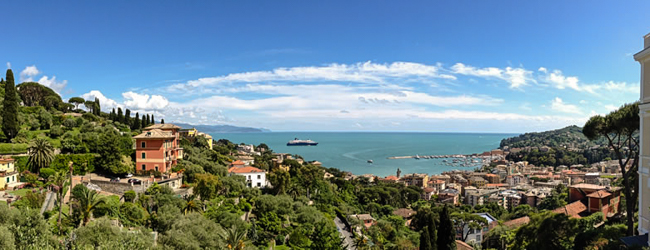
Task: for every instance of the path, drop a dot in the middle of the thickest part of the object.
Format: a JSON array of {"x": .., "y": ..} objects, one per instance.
[
  {"x": 50, "y": 198},
  {"x": 348, "y": 237}
]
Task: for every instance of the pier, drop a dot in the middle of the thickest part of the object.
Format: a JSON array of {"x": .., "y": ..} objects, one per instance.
[{"x": 432, "y": 156}]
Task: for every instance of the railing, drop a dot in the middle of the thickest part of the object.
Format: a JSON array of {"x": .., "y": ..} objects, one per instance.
[{"x": 3, "y": 174}]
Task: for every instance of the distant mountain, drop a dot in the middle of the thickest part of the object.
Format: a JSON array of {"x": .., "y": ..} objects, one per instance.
[{"x": 222, "y": 128}]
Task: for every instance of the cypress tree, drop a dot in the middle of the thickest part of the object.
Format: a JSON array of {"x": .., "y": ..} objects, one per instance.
[
  {"x": 152, "y": 120},
  {"x": 97, "y": 110},
  {"x": 425, "y": 239},
  {"x": 446, "y": 236},
  {"x": 10, "y": 111},
  {"x": 113, "y": 116},
  {"x": 120, "y": 116},
  {"x": 136, "y": 121},
  {"x": 127, "y": 118},
  {"x": 143, "y": 121},
  {"x": 162, "y": 121},
  {"x": 148, "y": 121}
]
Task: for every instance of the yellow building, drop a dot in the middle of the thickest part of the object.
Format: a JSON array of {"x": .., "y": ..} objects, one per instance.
[
  {"x": 643, "y": 58},
  {"x": 8, "y": 173},
  {"x": 192, "y": 132}
]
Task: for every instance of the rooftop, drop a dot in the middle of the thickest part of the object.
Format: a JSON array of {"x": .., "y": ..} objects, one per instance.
[
  {"x": 573, "y": 210},
  {"x": 237, "y": 162},
  {"x": 404, "y": 212},
  {"x": 599, "y": 194},
  {"x": 587, "y": 186},
  {"x": 154, "y": 134},
  {"x": 162, "y": 126},
  {"x": 517, "y": 222},
  {"x": 242, "y": 170}
]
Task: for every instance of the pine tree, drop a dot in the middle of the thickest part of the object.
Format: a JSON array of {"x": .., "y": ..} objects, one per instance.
[
  {"x": 425, "y": 239},
  {"x": 127, "y": 118},
  {"x": 10, "y": 110},
  {"x": 136, "y": 122},
  {"x": 120, "y": 116},
  {"x": 162, "y": 121},
  {"x": 97, "y": 110},
  {"x": 446, "y": 236}
]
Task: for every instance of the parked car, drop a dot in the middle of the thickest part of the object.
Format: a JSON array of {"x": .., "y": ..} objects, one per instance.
[
  {"x": 115, "y": 179},
  {"x": 135, "y": 181},
  {"x": 129, "y": 175}
]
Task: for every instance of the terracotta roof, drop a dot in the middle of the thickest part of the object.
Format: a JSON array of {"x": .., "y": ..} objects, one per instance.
[
  {"x": 5, "y": 160},
  {"x": 587, "y": 186},
  {"x": 491, "y": 175},
  {"x": 162, "y": 126},
  {"x": 242, "y": 170},
  {"x": 154, "y": 134},
  {"x": 438, "y": 181},
  {"x": 574, "y": 209},
  {"x": 460, "y": 245},
  {"x": 517, "y": 222},
  {"x": 237, "y": 162},
  {"x": 428, "y": 190},
  {"x": 497, "y": 184},
  {"x": 391, "y": 178},
  {"x": 599, "y": 194}
]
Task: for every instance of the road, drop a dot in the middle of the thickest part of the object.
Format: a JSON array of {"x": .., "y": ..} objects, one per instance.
[{"x": 348, "y": 237}]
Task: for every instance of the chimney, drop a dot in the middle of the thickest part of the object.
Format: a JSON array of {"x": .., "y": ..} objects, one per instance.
[{"x": 646, "y": 41}]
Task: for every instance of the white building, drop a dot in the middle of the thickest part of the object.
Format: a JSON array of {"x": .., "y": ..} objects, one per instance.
[
  {"x": 478, "y": 235},
  {"x": 643, "y": 58},
  {"x": 255, "y": 177}
]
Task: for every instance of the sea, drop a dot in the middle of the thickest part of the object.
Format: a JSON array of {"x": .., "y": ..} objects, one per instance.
[{"x": 350, "y": 151}]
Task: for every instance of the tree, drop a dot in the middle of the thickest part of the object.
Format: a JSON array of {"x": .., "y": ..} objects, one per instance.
[
  {"x": 76, "y": 101},
  {"x": 120, "y": 116},
  {"x": 90, "y": 106},
  {"x": 619, "y": 128},
  {"x": 127, "y": 118},
  {"x": 546, "y": 231},
  {"x": 446, "y": 236},
  {"x": 98, "y": 108},
  {"x": 162, "y": 121},
  {"x": 136, "y": 122},
  {"x": 234, "y": 238},
  {"x": 10, "y": 108},
  {"x": 59, "y": 181},
  {"x": 34, "y": 94},
  {"x": 207, "y": 186},
  {"x": 471, "y": 221},
  {"x": 152, "y": 120},
  {"x": 425, "y": 239},
  {"x": 148, "y": 121},
  {"x": 191, "y": 205},
  {"x": 86, "y": 201},
  {"x": 280, "y": 180},
  {"x": 144, "y": 121},
  {"x": 41, "y": 154}
]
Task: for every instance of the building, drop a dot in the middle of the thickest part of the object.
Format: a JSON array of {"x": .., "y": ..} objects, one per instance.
[
  {"x": 419, "y": 180},
  {"x": 8, "y": 173},
  {"x": 157, "y": 148},
  {"x": 478, "y": 182},
  {"x": 366, "y": 219},
  {"x": 255, "y": 177},
  {"x": 427, "y": 193},
  {"x": 449, "y": 196},
  {"x": 477, "y": 235},
  {"x": 438, "y": 185},
  {"x": 192, "y": 132},
  {"x": 492, "y": 178},
  {"x": 643, "y": 58}
]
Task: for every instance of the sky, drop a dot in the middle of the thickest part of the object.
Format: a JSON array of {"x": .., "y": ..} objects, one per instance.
[{"x": 435, "y": 66}]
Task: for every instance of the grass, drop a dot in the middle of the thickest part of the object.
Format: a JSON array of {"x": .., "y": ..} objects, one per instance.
[{"x": 20, "y": 192}]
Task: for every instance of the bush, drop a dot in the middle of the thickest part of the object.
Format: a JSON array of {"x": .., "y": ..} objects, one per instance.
[
  {"x": 90, "y": 117},
  {"x": 69, "y": 123},
  {"x": 46, "y": 172},
  {"x": 132, "y": 214},
  {"x": 81, "y": 163},
  {"x": 56, "y": 131},
  {"x": 129, "y": 196}
]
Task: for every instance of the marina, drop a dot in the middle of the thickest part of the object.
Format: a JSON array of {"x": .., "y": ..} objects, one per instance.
[{"x": 453, "y": 160}]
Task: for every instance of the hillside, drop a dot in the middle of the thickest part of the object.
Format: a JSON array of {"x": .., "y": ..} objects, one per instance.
[
  {"x": 222, "y": 128},
  {"x": 570, "y": 137}
]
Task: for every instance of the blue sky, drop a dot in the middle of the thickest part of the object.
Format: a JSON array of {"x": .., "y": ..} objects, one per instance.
[{"x": 462, "y": 66}]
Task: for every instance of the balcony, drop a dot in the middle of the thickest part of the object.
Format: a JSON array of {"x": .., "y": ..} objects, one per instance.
[{"x": 5, "y": 173}]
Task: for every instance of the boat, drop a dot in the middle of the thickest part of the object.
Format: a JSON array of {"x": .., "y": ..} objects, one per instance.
[
  {"x": 296, "y": 142},
  {"x": 417, "y": 157},
  {"x": 370, "y": 161}
]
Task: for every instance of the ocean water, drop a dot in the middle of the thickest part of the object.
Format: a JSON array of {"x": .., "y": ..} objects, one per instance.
[{"x": 350, "y": 151}]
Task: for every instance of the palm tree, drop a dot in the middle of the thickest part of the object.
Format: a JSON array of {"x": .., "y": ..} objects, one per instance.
[
  {"x": 41, "y": 154},
  {"x": 235, "y": 238},
  {"x": 59, "y": 180},
  {"x": 87, "y": 202},
  {"x": 191, "y": 205}
]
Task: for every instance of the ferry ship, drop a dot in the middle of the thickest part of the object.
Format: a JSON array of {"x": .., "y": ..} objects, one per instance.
[{"x": 297, "y": 142}]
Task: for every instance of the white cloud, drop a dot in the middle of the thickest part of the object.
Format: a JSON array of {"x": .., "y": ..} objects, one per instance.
[
  {"x": 143, "y": 101},
  {"x": 516, "y": 77},
  {"x": 8, "y": 65},
  {"x": 366, "y": 72},
  {"x": 28, "y": 74},
  {"x": 105, "y": 102},
  {"x": 558, "y": 105},
  {"x": 559, "y": 81},
  {"x": 52, "y": 83}
]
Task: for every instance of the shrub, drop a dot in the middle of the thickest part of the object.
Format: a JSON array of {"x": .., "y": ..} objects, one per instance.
[
  {"x": 90, "y": 117},
  {"x": 69, "y": 123},
  {"x": 56, "y": 131},
  {"x": 46, "y": 172},
  {"x": 129, "y": 196}
]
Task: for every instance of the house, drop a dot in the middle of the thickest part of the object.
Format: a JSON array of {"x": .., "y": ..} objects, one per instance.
[
  {"x": 597, "y": 198},
  {"x": 427, "y": 193},
  {"x": 437, "y": 185},
  {"x": 389, "y": 179},
  {"x": 643, "y": 57},
  {"x": 419, "y": 180},
  {"x": 255, "y": 177},
  {"x": 449, "y": 196},
  {"x": 477, "y": 182},
  {"x": 366, "y": 219},
  {"x": 237, "y": 163},
  {"x": 576, "y": 209},
  {"x": 157, "y": 148},
  {"x": 8, "y": 173},
  {"x": 492, "y": 178},
  {"x": 192, "y": 132}
]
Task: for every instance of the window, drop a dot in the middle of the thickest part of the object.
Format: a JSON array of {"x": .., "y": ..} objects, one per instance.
[
  {"x": 156, "y": 167},
  {"x": 143, "y": 144},
  {"x": 144, "y": 155},
  {"x": 13, "y": 178},
  {"x": 259, "y": 184},
  {"x": 259, "y": 177},
  {"x": 249, "y": 177},
  {"x": 478, "y": 238},
  {"x": 144, "y": 167},
  {"x": 7, "y": 179}
]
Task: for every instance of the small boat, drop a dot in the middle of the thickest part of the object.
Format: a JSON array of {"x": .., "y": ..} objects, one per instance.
[
  {"x": 370, "y": 161},
  {"x": 417, "y": 157}
]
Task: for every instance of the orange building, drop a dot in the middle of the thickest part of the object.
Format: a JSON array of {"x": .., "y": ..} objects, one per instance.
[{"x": 157, "y": 149}]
